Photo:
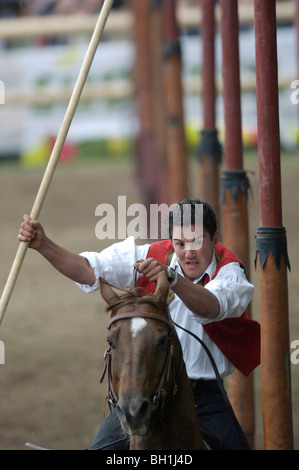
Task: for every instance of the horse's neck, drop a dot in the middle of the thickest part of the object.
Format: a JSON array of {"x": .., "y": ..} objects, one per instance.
[{"x": 178, "y": 427}]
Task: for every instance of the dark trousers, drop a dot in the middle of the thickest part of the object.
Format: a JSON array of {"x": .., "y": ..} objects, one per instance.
[
  {"x": 215, "y": 412},
  {"x": 212, "y": 411}
]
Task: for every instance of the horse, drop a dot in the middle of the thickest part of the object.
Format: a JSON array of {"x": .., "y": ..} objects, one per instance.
[{"x": 147, "y": 380}]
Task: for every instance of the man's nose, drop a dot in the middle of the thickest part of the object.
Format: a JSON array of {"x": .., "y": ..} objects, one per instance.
[{"x": 189, "y": 254}]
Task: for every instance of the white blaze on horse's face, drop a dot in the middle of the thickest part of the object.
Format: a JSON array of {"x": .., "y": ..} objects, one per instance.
[{"x": 137, "y": 325}]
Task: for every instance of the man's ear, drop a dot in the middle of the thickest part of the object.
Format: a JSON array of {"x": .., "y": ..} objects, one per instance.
[
  {"x": 107, "y": 292},
  {"x": 215, "y": 238}
]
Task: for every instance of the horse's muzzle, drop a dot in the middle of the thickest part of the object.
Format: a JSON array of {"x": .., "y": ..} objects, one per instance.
[{"x": 134, "y": 413}]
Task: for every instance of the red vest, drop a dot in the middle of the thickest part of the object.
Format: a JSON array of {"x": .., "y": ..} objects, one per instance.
[{"x": 237, "y": 338}]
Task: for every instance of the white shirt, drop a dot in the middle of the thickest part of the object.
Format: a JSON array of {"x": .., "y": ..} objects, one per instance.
[{"x": 230, "y": 286}]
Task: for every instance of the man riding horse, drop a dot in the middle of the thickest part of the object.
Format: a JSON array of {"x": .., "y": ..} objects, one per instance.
[{"x": 209, "y": 294}]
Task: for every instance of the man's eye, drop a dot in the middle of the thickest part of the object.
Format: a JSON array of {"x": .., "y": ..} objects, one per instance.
[{"x": 199, "y": 241}]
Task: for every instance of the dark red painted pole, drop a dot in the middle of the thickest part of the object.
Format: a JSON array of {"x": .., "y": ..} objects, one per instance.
[
  {"x": 234, "y": 188},
  {"x": 268, "y": 117},
  {"x": 145, "y": 155},
  {"x": 271, "y": 243},
  {"x": 209, "y": 150},
  {"x": 208, "y": 69},
  {"x": 158, "y": 103},
  {"x": 231, "y": 85},
  {"x": 177, "y": 157}
]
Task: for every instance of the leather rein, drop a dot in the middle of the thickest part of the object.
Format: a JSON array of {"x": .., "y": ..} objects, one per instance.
[{"x": 169, "y": 367}]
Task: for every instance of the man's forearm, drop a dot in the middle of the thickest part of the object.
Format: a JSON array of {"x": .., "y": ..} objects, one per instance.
[
  {"x": 71, "y": 265},
  {"x": 197, "y": 299}
]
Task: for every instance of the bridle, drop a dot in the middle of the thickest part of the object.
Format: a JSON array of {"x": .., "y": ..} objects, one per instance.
[{"x": 169, "y": 367}]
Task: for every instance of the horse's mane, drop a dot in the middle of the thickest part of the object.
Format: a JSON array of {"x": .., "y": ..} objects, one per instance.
[{"x": 135, "y": 298}]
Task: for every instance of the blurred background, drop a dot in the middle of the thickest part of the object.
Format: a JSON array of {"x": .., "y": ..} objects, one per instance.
[{"x": 39, "y": 71}]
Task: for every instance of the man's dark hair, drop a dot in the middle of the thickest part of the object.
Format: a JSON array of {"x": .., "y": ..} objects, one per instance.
[{"x": 209, "y": 216}]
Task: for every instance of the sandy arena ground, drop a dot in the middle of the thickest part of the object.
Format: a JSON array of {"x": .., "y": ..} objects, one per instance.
[{"x": 55, "y": 335}]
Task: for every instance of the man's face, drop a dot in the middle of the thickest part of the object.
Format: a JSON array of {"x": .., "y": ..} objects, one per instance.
[{"x": 194, "y": 249}]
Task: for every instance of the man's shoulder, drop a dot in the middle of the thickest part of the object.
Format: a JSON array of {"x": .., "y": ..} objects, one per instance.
[
  {"x": 225, "y": 255},
  {"x": 162, "y": 251},
  {"x": 163, "y": 244}
]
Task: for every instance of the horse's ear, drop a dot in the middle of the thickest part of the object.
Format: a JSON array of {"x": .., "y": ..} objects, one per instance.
[
  {"x": 162, "y": 288},
  {"x": 107, "y": 292}
]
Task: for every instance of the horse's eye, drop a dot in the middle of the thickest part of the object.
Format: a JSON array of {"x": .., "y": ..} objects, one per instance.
[
  {"x": 110, "y": 342},
  {"x": 163, "y": 340}
]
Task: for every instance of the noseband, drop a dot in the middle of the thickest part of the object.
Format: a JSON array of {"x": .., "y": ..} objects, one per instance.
[{"x": 169, "y": 362}]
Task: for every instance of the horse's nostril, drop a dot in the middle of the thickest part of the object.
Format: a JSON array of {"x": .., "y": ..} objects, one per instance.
[
  {"x": 145, "y": 409},
  {"x": 120, "y": 412},
  {"x": 134, "y": 411}
]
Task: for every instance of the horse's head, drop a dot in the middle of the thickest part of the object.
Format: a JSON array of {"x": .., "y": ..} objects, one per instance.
[{"x": 140, "y": 353}]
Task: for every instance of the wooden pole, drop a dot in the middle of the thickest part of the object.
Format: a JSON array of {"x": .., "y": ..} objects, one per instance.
[
  {"x": 158, "y": 103},
  {"x": 145, "y": 151},
  {"x": 175, "y": 132},
  {"x": 46, "y": 181},
  {"x": 209, "y": 150},
  {"x": 271, "y": 242},
  {"x": 234, "y": 191}
]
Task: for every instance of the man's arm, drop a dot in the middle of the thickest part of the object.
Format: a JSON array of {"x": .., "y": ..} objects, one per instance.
[
  {"x": 197, "y": 299},
  {"x": 71, "y": 265}
]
